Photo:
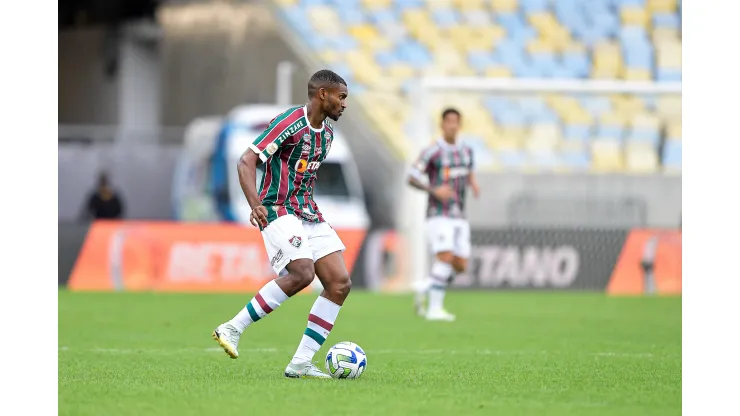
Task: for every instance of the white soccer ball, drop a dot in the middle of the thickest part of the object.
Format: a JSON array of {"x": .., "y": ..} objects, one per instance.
[{"x": 346, "y": 360}]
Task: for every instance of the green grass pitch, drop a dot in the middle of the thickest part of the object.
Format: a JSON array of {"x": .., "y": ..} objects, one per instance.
[{"x": 507, "y": 354}]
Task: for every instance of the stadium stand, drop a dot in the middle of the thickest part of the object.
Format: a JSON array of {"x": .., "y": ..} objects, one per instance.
[{"x": 380, "y": 46}]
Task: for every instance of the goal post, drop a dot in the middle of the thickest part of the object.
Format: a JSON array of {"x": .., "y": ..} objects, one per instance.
[{"x": 469, "y": 94}]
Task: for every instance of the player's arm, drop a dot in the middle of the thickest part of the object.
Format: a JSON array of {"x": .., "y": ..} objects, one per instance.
[
  {"x": 264, "y": 146},
  {"x": 472, "y": 179},
  {"x": 416, "y": 179},
  {"x": 247, "y": 168}
]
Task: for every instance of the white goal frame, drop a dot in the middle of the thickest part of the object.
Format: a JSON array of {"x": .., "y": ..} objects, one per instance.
[{"x": 411, "y": 214}]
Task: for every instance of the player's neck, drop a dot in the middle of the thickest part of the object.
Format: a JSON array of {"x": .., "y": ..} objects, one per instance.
[
  {"x": 315, "y": 117},
  {"x": 451, "y": 141}
]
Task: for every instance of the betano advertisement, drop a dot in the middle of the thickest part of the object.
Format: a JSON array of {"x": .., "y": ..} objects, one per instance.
[
  {"x": 179, "y": 257},
  {"x": 194, "y": 257}
]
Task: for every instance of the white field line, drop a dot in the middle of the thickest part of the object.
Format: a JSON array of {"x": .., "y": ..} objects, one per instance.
[{"x": 156, "y": 351}]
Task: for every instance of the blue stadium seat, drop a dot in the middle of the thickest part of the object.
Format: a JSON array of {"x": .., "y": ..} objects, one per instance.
[
  {"x": 445, "y": 18},
  {"x": 510, "y": 117},
  {"x": 545, "y": 160},
  {"x": 480, "y": 60},
  {"x": 596, "y": 105},
  {"x": 638, "y": 55},
  {"x": 311, "y": 3},
  {"x": 666, "y": 20},
  {"x": 672, "y": 154},
  {"x": 668, "y": 75},
  {"x": 351, "y": 16},
  {"x": 511, "y": 159},
  {"x": 577, "y": 132},
  {"x": 633, "y": 2},
  {"x": 648, "y": 136},
  {"x": 576, "y": 160},
  {"x": 414, "y": 54},
  {"x": 386, "y": 58},
  {"x": 512, "y": 22},
  {"x": 606, "y": 21},
  {"x": 529, "y": 6},
  {"x": 382, "y": 16},
  {"x": 343, "y": 43},
  {"x": 607, "y": 131},
  {"x": 578, "y": 62}
]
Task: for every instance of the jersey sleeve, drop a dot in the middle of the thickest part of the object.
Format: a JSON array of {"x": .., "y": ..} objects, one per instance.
[
  {"x": 267, "y": 143},
  {"x": 421, "y": 166}
]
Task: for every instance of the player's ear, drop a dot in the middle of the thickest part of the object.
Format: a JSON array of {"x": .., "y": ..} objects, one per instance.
[{"x": 322, "y": 93}]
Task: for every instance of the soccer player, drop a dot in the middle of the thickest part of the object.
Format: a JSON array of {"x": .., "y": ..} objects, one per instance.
[
  {"x": 299, "y": 243},
  {"x": 448, "y": 167}
]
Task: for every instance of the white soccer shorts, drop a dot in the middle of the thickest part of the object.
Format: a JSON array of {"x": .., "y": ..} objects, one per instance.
[
  {"x": 448, "y": 234},
  {"x": 289, "y": 238}
]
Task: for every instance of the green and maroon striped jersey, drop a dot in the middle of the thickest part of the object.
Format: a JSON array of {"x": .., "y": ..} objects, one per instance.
[
  {"x": 446, "y": 164},
  {"x": 293, "y": 152}
]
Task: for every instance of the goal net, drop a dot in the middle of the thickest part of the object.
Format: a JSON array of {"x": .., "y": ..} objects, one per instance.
[{"x": 541, "y": 126}]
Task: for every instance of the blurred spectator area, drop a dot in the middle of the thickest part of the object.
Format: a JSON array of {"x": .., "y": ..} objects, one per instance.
[{"x": 381, "y": 46}]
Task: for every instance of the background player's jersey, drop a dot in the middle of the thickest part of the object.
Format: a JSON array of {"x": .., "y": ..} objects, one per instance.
[
  {"x": 293, "y": 152},
  {"x": 446, "y": 164}
]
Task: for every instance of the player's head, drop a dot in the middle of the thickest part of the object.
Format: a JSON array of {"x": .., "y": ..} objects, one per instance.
[
  {"x": 330, "y": 90},
  {"x": 450, "y": 123}
]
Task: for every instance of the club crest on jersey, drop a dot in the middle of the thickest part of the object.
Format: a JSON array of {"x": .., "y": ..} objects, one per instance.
[
  {"x": 296, "y": 241},
  {"x": 271, "y": 148},
  {"x": 328, "y": 145}
]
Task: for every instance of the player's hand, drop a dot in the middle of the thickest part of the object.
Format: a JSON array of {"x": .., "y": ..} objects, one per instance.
[
  {"x": 259, "y": 216},
  {"x": 476, "y": 190},
  {"x": 443, "y": 193}
]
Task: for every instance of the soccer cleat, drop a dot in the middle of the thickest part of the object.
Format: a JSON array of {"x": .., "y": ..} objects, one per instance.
[
  {"x": 440, "y": 315},
  {"x": 227, "y": 337},
  {"x": 304, "y": 369}
]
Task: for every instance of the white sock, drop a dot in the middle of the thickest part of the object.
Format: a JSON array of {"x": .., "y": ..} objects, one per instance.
[
  {"x": 439, "y": 277},
  {"x": 265, "y": 301},
  {"x": 320, "y": 323}
]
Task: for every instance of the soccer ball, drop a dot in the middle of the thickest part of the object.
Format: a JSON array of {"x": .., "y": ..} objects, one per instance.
[{"x": 346, "y": 360}]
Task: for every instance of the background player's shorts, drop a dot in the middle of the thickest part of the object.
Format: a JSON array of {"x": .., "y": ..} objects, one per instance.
[
  {"x": 449, "y": 234},
  {"x": 289, "y": 238}
]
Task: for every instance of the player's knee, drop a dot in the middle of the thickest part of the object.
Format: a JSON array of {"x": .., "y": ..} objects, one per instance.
[
  {"x": 303, "y": 272},
  {"x": 340, "y": 288}
]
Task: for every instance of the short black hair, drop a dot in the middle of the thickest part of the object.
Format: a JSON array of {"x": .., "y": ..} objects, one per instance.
[
  {"x": 449, "y": 111},
  {"x": 323, "y": 79}
]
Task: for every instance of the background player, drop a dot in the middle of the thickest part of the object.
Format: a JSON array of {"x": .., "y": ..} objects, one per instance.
[
  {"x": 298, "y": 241},
  {"x": 448, "y": 167}
]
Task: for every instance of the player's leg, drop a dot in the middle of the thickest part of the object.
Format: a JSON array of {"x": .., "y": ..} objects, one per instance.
[
  {"x": 332, "y": 272},
  {"x": 462, "y": 249},
  {"x": 291, "y": 257},
  {"x": 441, "y": 232}
]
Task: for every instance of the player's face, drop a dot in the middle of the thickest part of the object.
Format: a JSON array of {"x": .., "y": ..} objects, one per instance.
[
  {"x": 335, "y": 101},
  {"x": 451, "y": 125}
]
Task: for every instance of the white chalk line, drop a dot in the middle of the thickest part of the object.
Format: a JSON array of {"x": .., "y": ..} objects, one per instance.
[{"x": 407, "y": 352}]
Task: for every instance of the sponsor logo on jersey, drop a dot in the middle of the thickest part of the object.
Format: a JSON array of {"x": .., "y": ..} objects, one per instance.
[
  {"x": 307, "y": 138},
  {"x": 271, "y": 148},
  {"x": 452, "y": 173},
  {"x": 303, "y": 165},
  {"x": 296, "y": 241},
  {"x": 328, "y": 145},
  {"x": 327, "y": 136}
]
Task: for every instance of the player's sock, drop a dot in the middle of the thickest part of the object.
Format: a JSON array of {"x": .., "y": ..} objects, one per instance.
[
  {"x": 441, "y": 272},
  {"x": 265, "y": 301},
  {"x": 320, "y": 322}
]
